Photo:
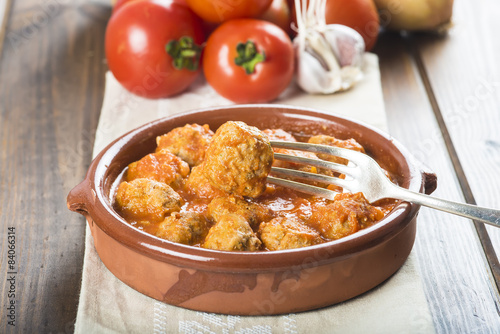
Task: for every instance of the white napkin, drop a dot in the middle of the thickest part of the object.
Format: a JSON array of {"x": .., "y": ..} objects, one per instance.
[{"x": 109, "y": 306}]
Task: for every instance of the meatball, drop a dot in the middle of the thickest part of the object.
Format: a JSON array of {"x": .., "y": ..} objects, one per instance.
[
  {"x": 145, "y": 199},
  {"x": 253, "y": 213},
  {"x": 238, "y": 159},
  {"x": 347, "y": 214},
  {"x": 279, "y": 134},
  {"x": 198, "y": 185},
  {"x": 185, "y": 228},
  {"x": 350, "y": 144},
  {"x": 287, "y": 233},
  {"x": 232, "y": 233},
  {"x": 162, "y": 166},
  {"x": 188, "y": 142}
]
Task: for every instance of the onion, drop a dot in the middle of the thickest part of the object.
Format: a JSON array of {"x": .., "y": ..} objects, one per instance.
[
  {"x": 415, "y": 14},
  {"x": 329, "y": 56}
]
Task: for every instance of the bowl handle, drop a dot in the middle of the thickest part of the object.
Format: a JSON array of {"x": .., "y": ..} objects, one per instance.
[
  {"x": 78, "y": 198},
  {"x": 430, "y": 181},
  {"x": 429, "y": 178}
]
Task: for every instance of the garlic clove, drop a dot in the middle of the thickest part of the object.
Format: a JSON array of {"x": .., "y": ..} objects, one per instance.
[
  {"x": 347, "y": 44},
  {"x": 312, "y": 76}
]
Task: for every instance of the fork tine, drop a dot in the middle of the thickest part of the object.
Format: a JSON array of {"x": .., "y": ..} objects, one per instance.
[
  {"x": 302, "y": 187},
  {"x": 310, "y": 176},
  {"x": 350, "y": 155},
  {"x": 343, "y": 169}
]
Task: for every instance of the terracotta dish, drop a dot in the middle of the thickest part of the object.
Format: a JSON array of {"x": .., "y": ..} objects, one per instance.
[{"x": 250, "y": 283}]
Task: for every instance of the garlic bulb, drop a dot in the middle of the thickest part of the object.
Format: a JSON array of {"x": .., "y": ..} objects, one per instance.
[{"x": 329, "y": 56}]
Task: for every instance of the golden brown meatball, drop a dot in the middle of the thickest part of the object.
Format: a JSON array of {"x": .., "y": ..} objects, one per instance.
[
  {"x": 279, "y": 134},
  {"x": 162, "y": 166},
  {"x": 238, "y": 159},
  {"x": 232, "y": 233},
  {"x": 185, "y": 228},
  {"x": 253, "y": 213},
  {"x": 188, "y": 142},
  {"x": 287, "y": 233},
  {"x": 198, "y": 185},
  {"x": 350, "y": 144},
  {"x": 347, "y": 214},
  {"x": 144, "y": 199}
]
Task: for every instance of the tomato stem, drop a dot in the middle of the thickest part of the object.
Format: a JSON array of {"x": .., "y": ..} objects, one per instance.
[
  {"x": 248, "y": 57},
  {"x": 185, "y": 52}
]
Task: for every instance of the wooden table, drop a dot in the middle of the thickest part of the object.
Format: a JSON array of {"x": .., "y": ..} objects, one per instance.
[{"x": 442, "y": 97}]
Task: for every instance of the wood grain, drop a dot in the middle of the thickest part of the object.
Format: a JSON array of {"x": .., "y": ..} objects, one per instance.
[
  {"x": 484, "y": 237},
  {"x": 51, "y": 90},
  {"x": 465, "y": 76},
  {"x": 451, "y": 260}
]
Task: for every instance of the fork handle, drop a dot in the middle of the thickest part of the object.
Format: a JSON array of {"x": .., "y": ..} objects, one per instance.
[{"x": 474, "y": 212}]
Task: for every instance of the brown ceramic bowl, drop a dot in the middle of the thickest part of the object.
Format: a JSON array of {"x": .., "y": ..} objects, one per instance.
[{"x": 250, "y": 283}]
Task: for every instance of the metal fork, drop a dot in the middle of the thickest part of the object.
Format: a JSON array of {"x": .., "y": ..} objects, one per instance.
[{"x": 363, "y": 174}]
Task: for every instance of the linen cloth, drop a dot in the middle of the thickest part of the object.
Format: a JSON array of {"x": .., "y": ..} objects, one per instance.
[{"x": 109, "y": 306}]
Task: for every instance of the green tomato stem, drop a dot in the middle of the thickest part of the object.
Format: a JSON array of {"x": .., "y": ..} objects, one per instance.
[
  {"x": 185, "y": 53},
  {"x": 248, "y": 57}
]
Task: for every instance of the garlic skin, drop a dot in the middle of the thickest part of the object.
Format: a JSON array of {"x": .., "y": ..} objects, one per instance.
[
  {"x": 415, "y": 14},
  {"x": 347, "y": 45}
]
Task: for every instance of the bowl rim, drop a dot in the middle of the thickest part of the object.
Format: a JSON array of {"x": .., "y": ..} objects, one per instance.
[{"x": 89, "y": 199}]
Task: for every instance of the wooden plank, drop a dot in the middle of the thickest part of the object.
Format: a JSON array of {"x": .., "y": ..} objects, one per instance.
[
  {"x": 484, "y": 238},
  {"x": 464, "y": 73},
  {"x": 451, "y": 260},
  {"x": 51, "y": 90}
]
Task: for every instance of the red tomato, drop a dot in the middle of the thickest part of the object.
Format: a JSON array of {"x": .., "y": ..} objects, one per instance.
[
  {"x": 248, "y": 60},
  {"x": 120, "y": 3},
  {"x": 222, "y": 10},
  {"x": 360, "y": 15},
  {"x": 153, "y": 48},
  {"x": 279, "y": 13}
]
